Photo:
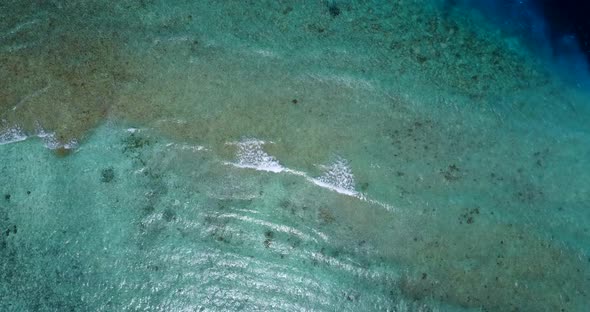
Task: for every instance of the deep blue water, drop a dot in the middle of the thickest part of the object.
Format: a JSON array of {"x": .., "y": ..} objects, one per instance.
[{"x": 559, "y": 31}]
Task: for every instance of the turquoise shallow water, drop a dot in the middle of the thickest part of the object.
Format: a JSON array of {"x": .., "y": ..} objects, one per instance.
[{"x": 286, "y": 156}]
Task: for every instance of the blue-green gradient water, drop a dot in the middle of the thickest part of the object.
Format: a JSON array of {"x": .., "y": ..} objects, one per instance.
[{"x": 287, "y": 156}]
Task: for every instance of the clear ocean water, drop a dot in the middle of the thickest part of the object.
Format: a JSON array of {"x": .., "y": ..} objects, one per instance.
[{"x": 207, "y": 155}]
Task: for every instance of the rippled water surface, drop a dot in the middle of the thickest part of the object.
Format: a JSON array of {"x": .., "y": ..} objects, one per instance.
[{"x": 287, "y": 156}]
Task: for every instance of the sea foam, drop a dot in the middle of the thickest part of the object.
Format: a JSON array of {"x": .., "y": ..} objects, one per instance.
[
  {"x": 12, "y": 135},
  {"x": 337, "y": 176},
  {"x": 251, "y": 155},
  {"x": 51, "y": 142},
  {"x": 17, "y": 134}
]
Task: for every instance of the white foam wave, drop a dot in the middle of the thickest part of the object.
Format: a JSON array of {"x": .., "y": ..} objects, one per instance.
[
  {"x": 184, "y": 147},
  {"x": 51, "y": 142},
  {"x": 12, "y": 135},
  {"x": 17, "y": 134},
  {"x": 337, "y": 177},
  {"x": 251, "y": 155}
]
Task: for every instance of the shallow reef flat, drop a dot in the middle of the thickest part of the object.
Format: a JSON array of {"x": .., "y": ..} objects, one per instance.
[{"x": 290, "y": 155}]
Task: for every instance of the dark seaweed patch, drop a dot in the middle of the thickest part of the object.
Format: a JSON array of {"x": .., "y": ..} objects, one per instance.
[
  {"x": 452, "y": 173},
  {"x": 333, "y": 9},
  {"x": 11, "y": 229},
  {"x": 148, "y": 209},
  {"x": 169, "y": 215},
  {"x": 469, "y": 216},
  {"x": 269, "y": 235},
  {"x": 325, "y": 216},
  {"x": 134, "y": 142},
  {"x": 107, "y": 175},
  {"x": 352, "y": 296}
]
